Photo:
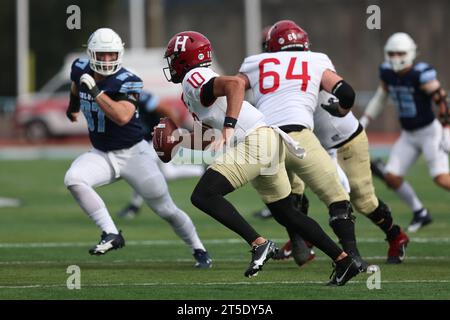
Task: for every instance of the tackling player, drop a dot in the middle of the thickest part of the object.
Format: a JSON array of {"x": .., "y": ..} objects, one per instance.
[
  {"x": 107, "y": 94},
  {"x": 150, "y": 109}
]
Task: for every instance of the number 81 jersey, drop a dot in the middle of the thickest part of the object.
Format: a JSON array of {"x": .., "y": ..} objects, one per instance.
[
  {"x": 106, "y": 135},
  {"x": 286, "y": 85}
]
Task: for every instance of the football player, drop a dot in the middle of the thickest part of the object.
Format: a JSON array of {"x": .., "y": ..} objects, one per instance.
[
  {"x": 107, "y": 94},
  {"x": 347, "y": 138},
  {"x": 150, "y": 109},
  {"x": 285, "y": 82},
  {"x": 252, "y": 152},
  {"x": 413, "y": 86}
]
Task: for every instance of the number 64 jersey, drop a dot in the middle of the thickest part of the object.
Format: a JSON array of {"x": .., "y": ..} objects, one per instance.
[{"x": 286, "y": 85}]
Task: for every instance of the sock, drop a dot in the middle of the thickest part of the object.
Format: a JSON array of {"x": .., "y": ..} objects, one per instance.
[
  {"x": 94, "y": 207},
  {"x": 382, "y": 218},
  {"x": 285, "y": 213},
  {"x": 180, "y": 222},
  {"x": 407, "y": 194},
  {"x": 343, "y": 224}
]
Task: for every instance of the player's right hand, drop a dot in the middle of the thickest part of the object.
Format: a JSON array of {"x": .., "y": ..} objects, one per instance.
[{"x": 72, "y": 116}]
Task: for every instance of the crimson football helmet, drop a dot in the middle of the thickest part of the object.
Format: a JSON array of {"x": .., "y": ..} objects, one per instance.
[
  {"x": 287, "y": 35},
  {"x": 264, "y": 35},
  {"x": 186, "y": 50}
]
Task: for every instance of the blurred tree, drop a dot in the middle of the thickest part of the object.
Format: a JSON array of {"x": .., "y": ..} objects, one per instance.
[{"x": 50, "y": 39}]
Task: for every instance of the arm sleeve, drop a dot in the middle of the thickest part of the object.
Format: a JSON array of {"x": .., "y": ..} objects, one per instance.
[{"x": 377, "y": 103}]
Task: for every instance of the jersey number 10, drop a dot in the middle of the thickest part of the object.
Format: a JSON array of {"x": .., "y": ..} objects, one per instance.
[{"x": 304, "y": 76}]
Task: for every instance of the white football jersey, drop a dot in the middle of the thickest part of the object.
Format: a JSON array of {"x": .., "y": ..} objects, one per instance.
[
  {"x": 214, "y": 115},
  {"x": 332, "y": 130},
  {"x": 286, "y": 85}
]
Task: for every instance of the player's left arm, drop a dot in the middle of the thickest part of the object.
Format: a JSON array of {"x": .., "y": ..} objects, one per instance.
[
  {"x": 439, "y": 96},
  {"x": 337, "y": 86},
  {"x": 120, "y": 111},
  {"x": 74, "y": 104}
]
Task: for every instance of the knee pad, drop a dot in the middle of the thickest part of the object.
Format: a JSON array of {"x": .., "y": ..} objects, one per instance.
[
  {"x": 339, "y": 211},
  {"x": 71, "y": 179}
]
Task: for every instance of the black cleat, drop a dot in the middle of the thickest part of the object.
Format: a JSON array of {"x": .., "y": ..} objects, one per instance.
[
  {"x": 129, "y": 212},
  {"x": 344, "y": 270},
  {"x": 203, "y": 259},
  {"x": 260, "y": 254},
  {"x": 420, "y": 219},
  {"x": 108, "y": 241}
]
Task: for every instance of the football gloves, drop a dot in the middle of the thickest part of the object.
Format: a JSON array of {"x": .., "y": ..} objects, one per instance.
[{"x": 89, "y": 84}]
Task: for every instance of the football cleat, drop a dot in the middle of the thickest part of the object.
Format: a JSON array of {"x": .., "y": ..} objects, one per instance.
[
  {"x": 299, "y": 249},
  {"x": 420, "y": 219},
  {"x": 203, "y": 259},
  {"x": 263, "y": 214},
  {"x": 129, "y": 212},
  {"x": 344, "y": 270},
  {"x": 260, "y": 254},
  {"x": 397, "y": 248},
  {"x": 108, "y": 241}
]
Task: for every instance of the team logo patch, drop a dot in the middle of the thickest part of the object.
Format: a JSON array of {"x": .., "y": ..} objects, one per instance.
[
  {"x": 280, "y": 40},
  {"x": 201, "y": 56}
]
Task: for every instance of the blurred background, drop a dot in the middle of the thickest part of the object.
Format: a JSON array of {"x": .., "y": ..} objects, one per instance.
[{"x": 37, "y": 44}]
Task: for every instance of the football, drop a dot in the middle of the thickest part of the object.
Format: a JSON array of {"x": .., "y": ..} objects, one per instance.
[{"x": 163, "y": 140}]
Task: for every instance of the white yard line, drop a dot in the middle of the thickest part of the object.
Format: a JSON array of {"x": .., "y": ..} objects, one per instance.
[
  {"x": 96, "y": 262},
  {"x": 205, "y": 284},
  {"x": 439, "y": 240}
]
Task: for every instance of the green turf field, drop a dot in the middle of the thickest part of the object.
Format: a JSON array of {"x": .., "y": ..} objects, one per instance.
[{"x": 39, "y": 240}]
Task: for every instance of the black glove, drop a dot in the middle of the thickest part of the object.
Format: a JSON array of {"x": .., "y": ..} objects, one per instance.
[{"x": 333, "y": 108}]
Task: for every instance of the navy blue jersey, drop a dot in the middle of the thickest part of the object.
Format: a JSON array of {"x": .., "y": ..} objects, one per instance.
[
  {"x": 104, "y": 133},
  {"x": 149, "y": 118},
  {"x": 414, "y": 106}
]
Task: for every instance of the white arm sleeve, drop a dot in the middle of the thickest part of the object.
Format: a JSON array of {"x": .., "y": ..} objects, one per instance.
[{"x": 377, "y": 103}]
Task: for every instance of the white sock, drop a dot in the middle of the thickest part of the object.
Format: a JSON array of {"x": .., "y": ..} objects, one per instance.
[
  {"x": 407, "y": 194},
  {"x": 94, "y": 207},
  {"x": 179, "y": 220},
  {"x": 103, "y": 220}
]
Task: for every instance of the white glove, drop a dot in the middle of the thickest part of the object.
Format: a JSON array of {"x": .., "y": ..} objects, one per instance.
[
  {"x": 90, "y": 85},
  {"x": 445, "y": 140},
  {"x": 364, "y": 120}
]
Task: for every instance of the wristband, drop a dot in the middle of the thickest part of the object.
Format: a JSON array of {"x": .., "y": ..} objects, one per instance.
[{"x": 230, "y": 122}]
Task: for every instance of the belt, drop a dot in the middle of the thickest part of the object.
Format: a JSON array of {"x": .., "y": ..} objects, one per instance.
[{"x": 292, "y": 127}]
